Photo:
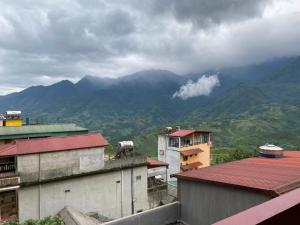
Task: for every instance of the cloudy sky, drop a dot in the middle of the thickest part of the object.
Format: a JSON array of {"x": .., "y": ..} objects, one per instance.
[{"x": 42, "y": 42}]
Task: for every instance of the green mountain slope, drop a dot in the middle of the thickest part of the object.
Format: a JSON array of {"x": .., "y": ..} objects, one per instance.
[{"x": 241, "y": 112}]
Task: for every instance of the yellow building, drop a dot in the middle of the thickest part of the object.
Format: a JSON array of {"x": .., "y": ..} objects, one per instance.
[
  {"x": 12, "y": 119},
  {"x": 194, "y": 149},
  {"x": 184, "y": 150}
]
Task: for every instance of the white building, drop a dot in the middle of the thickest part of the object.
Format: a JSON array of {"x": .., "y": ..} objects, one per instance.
[{"x": 43, "y": 175}]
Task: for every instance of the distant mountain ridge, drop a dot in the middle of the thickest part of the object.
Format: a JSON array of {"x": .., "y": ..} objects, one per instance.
[{"x": 131, "y": 106}]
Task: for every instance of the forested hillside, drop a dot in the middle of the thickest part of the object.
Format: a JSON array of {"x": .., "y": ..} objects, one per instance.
[{"x": 251, "y": 105}]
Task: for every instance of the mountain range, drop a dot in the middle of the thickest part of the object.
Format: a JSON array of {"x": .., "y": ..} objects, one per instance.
[{"x": 252, "y": 105}]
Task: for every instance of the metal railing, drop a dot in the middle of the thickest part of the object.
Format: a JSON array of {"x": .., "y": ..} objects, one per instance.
[{"x": 7, "y": 167}]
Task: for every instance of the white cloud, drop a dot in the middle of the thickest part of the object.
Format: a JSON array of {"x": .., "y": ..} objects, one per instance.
[{"x": 203, "y": 86}]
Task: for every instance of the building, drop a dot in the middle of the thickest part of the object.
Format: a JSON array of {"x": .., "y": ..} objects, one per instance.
[
  {"x": 184, "y": 150},
  {"x": 157, "y": 185},
  {"x": 210, "y": 194},
  {"x": 41, "y": 176},
  {"x": 8, "y": 134},
  {"x": 11, "y": 119},
  {"x": 249, "y": 192}
]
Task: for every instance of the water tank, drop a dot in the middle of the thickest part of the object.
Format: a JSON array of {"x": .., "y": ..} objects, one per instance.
[
  {"x": 125, "y": 145},
  {"x": 270, "y": 151},
  {"x": 124, "y": 149}
]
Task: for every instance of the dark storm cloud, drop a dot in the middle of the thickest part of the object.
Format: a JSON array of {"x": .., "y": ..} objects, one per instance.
[
  {"x": 42, "y": 42},
  {"x": 205, "y": 13}
]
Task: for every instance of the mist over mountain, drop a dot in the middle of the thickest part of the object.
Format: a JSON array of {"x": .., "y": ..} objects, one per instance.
[{"x": 258, "y": 99}]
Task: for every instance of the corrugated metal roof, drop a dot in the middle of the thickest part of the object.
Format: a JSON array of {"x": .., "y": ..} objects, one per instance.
[
  {"x": 52, "y": 144},
  {"x": 152, "y": 163},
  {"x": 39, "y": 129},
  {"x": 183, "y": 133},
  {"x": 273, "y": 176},
  {"x": 264, "y": 211}
]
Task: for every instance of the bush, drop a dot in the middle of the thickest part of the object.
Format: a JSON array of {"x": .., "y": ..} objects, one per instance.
[{"x": 46, "y": 221}]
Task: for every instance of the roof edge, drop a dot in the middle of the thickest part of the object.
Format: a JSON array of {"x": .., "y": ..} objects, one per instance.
[{"x": 269, "y": 192}]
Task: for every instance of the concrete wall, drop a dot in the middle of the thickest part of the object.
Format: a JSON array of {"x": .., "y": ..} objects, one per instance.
[
  {"x": 108, "y": 194},
  {"x": 166, "y": 214},
  {"x": 205, "y": 203},
  {"x": 170, "y": 155},
  {"x": 173, "y": 159},
  {"x": 162, "y": 144},
  {"x": 59, "y": 164}
]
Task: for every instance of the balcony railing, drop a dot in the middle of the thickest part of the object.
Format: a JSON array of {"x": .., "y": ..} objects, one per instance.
[
  {"x": 9, "y": 181},
  {"x": 7, "y": 167}
]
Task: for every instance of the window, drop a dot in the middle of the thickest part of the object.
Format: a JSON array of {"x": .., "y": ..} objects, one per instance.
[
  {"x": 198, "y": 139},
  {"x": 186, "y": 141},
  {"x": 201, "y": 138},
  {"x": 174, "y": 142},
  {"x": 185, "y": 158},
  {"x": 205, "y": 138},
  {"x": 138, "y": 178}
]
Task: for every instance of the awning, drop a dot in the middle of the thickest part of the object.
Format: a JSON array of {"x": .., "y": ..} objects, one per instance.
[
  {"x": 190, "y": 166},
  {"x": 190, "y": 152}
]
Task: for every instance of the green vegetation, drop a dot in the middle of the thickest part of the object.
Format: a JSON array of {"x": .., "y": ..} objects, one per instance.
[
  {"x": 223, "y": 155},
  {"x": 109, "y": 150},
  {"x": 46, "y": 221},
  {"x": 253, "y": 106}
]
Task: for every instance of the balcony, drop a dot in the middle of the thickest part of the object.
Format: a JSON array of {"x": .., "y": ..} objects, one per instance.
[
  {"x": 8, "y": 176},
  {"x": 7, "y": 167}
]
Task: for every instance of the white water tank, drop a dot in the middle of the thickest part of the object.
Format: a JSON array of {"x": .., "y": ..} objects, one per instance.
[
  {"x": 270, "y": 151},
  {"x": 125, "y": 144}
]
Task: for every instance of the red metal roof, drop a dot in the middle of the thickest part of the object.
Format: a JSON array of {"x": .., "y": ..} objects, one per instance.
[
  {"x": 52, "y": 144},
  {"x": 152, "y": 163},
  {"x": 264, "y": 211},
  {"x": 273, "y": 176},
  {"x": 182, "y": 133}
]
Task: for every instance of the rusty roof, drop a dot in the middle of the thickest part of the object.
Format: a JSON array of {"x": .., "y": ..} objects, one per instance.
[
  {"x": 52, "y": 144},
  {"x": 152, "y": 163},
  {"x": 272, "y": 176}
]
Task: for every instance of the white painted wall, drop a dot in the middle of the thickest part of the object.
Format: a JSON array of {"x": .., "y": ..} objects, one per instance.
[
  {"x": 173, "y": 159},
  {"x": 170, "y": 155},
  {"x": 162, "y": 147},
  {"x": 108, "y": 194}
]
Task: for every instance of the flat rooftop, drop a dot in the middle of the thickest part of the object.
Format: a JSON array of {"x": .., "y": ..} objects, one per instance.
[
  {"x": 273, "y": 176},
  {"x": 39, "y": 130}
]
